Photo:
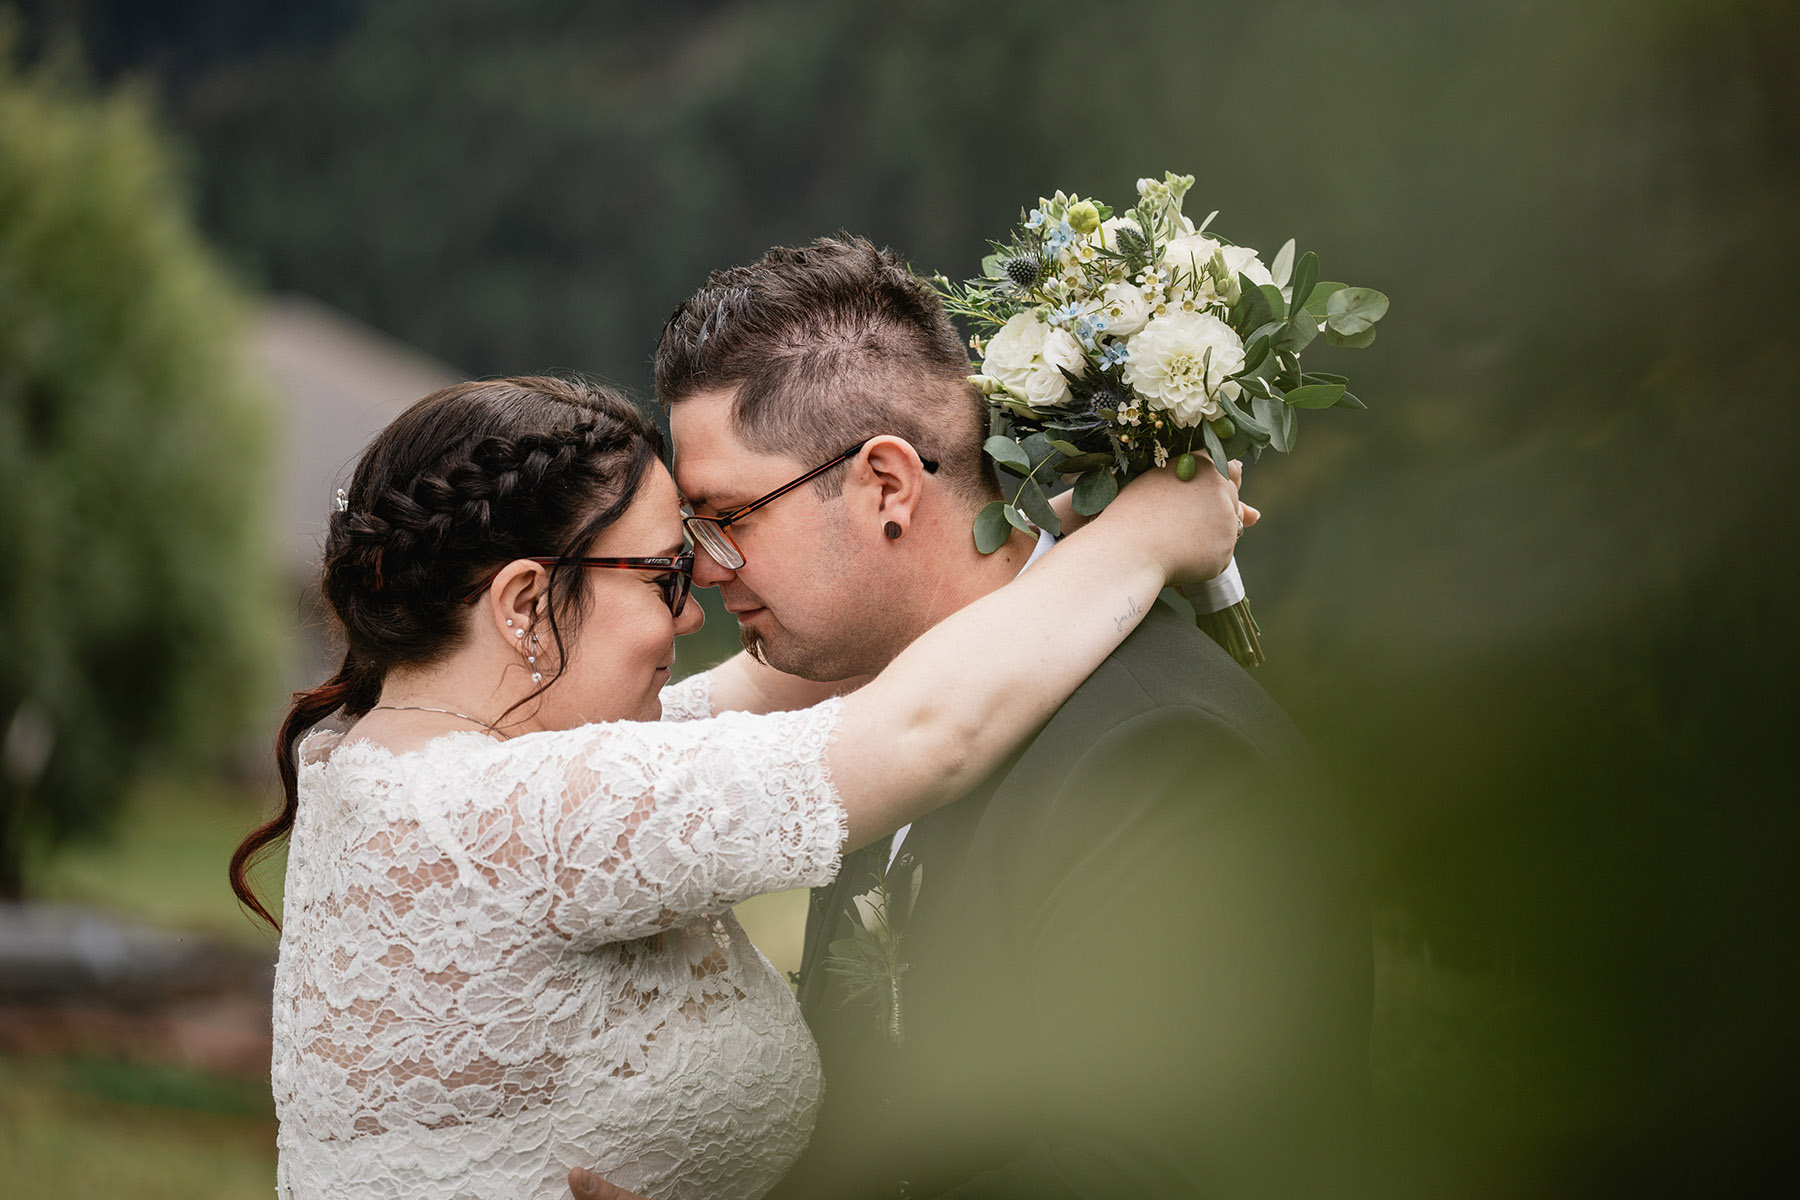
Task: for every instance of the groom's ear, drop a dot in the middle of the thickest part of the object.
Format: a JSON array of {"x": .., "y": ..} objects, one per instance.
[{"x": 892, "y": 479}]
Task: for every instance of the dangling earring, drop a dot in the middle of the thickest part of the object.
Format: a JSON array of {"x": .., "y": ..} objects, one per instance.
[
  {"x": 537, "y": 676},
  {"x": 892, "y": 529}
]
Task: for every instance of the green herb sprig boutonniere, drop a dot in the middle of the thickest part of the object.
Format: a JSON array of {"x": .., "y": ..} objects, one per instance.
[{"x": 868, "y": 962}]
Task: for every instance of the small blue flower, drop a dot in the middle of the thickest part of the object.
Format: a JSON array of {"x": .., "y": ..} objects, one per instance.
[
  {"x": 1089, "y": 328},
  {"x": 1035, "y": 219},
  {"x": 1060, "y": 237},
  {"x": 1114, "y": 355},
  {"x": 1064, "y": 316}
]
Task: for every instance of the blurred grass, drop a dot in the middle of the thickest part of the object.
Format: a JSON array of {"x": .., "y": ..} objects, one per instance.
[
  {"x": 72, "y": 1130},
  {"x": 165, "y": 862}
]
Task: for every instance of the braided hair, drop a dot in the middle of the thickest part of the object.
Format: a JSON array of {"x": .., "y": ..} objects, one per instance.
[{"x": 460, "y": 484}]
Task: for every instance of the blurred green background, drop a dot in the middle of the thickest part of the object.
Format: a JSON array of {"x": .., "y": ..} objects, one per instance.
[{"x": 1536, "y": 608}]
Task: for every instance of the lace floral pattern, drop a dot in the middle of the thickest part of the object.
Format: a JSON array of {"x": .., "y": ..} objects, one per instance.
[
  {"x": 501, "y": 960},
  {"x": 689, "y": 700}
]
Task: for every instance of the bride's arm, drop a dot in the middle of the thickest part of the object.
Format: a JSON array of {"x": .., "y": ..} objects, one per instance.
[
  {"x": 628, "y": 828},
  {"x": 947, "y": 711},
  {"x": 741, "y": 683}
]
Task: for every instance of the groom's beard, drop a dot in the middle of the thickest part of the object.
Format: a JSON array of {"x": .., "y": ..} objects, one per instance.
[{"x": 753, "y": 645}]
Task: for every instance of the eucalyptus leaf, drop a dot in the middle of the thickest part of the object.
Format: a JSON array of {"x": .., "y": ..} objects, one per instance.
[
  {"x": 1007, "y": 453},
  {"x": 1063, "y": 447},
  {"x": 993, "y": 266},
  {"x": 1036, "y": 505},
  {"x": 1217, "y": 449},
  {"x": 1366, "y": 303},
  {"x": 1253, "y": 309},
  {"x": 1297, "y": 332},
  {"x": 1255, "y": 351},
  {"x": 1268, "y": 329},
  {"x": 1323, "y": 377},
  {"x": 1037, "y": 449},
  {"x": 1080, "y": 464},
  {"x": 1354, "y": 309},
  {"x": 1017, "y": 519},
  {"x": 991, "y": 528},
  {"x": 1289, "y": 425},
  {"x": 1272, "y": 296},
  {"x": 1281, "y": 270},
  {"x": 1244, "y": 420},
  {"x": 1315, "y": 395},
  {"x": 1306, "y": 274},
  {"x": 1349, "y": 400},
  {"x": 1356, "y": 341},
  {"x": 1320, "y": 296},
  {"x": 1094, "y": 491},
  {"x": 1269, "y": 412}
]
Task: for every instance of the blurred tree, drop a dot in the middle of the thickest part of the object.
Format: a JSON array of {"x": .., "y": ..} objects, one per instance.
[{"x": 134, "y": 601}]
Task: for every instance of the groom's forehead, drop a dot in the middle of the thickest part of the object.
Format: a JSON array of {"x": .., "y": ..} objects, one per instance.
[{"x": 712, "y": 465}]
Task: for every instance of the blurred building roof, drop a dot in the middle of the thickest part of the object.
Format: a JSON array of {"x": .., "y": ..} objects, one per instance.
[{"x": 335, "y": 382}]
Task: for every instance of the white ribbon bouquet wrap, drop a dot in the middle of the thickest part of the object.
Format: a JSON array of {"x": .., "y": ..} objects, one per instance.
[{"x": 1112, "y": 344}]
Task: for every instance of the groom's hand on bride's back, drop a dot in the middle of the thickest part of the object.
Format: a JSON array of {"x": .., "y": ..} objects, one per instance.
[{"x": 588, "y": 1186}]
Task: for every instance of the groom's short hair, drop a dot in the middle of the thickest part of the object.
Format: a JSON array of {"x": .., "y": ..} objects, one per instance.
[{"x": 826, "y": 344}]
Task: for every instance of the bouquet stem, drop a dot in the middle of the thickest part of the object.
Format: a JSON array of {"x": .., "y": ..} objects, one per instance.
[
  {"x": 1236, "y": 630},
  {"x": 1222, "y": 612}
]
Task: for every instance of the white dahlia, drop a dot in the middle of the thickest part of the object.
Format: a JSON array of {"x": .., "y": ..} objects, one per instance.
[{"x": 1169, "y": 364}]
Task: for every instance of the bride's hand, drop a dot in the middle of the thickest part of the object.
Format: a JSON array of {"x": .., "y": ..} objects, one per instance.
[
  {"x": 1190, "y": 528},
  {"x": 588, "y": 1186},
  {"x": 1064, "y": 505}
]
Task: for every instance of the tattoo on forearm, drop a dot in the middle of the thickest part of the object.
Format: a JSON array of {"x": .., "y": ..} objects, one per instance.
[{"x": 1133, "y": 610}]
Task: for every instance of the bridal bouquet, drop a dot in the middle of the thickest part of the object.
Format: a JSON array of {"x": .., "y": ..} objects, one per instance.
[{"x": 1112, "y": 344}]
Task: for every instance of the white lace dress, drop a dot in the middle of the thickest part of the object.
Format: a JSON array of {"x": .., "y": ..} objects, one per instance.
[{"x": 503, "y": 959}]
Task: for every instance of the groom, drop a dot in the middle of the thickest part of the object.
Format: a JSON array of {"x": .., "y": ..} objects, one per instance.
[{"x": 1135, "y": 961}]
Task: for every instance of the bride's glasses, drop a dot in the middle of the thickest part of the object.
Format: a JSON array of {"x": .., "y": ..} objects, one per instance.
[
  {"x": 678, "y": 574},
  {"x": 712, "y": 534}
]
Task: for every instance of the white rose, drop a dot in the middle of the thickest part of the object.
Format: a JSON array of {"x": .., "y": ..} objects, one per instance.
[
  {"x": 1045, "y": 387},
  {"x": 1014, "y": 351},
  {"x": 1125, "y": 309},
  {"x": 1243, "y": 261},
  {"x": 1062, "y": 350},
  {"x": 1166, "y": 363},
  {"x": 1025, "y": 354},
  {"x": 1189, "y": 252}
]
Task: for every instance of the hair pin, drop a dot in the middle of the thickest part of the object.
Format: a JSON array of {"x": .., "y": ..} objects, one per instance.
[{"x": 343, "y": 500}]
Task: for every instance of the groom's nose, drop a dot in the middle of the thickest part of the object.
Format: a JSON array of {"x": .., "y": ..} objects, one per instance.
[{"x": 707, "y": 571}]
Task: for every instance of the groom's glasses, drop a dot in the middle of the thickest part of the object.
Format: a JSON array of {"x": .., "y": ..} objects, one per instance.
[
  {"x": 675, "y": 582},
  {"x": 713, "y": 534}
]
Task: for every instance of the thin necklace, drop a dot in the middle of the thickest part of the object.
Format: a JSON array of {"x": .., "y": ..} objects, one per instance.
[{"x": 448, "y": 712}]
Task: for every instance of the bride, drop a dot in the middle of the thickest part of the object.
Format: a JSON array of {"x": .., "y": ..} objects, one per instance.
[{"x": 508, "y": 944}]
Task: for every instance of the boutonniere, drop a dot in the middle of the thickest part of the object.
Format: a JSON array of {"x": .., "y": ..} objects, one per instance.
[{"x": 868, "y": 962}]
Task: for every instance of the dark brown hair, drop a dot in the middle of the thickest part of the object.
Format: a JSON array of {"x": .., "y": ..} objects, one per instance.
[
  {"x": 828, "y": 344},
  {"x": 460, "y": 484}
]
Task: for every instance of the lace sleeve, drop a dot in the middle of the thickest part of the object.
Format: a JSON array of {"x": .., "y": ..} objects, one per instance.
[
  {"x": 689, "y": 700},
  {"x": 629, "y": 828}
]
